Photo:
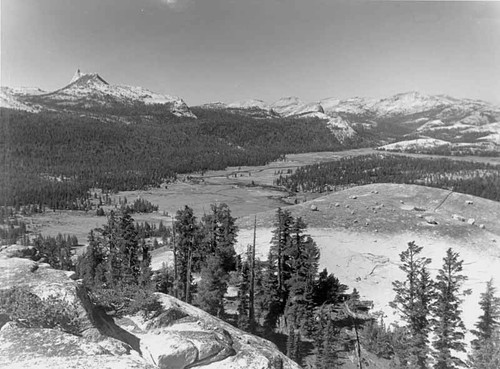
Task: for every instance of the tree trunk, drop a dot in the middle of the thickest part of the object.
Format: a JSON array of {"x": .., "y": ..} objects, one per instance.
[
  {"x": 188, "y": 275},
  {"x": 176, "y": 282},
  {"x": 251, "y": 307}
]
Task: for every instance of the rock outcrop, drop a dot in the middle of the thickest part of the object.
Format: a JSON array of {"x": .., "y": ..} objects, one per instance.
[{"x": 182, "y": 336}]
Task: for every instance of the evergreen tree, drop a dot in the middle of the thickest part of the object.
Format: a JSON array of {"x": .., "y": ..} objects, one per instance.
[
  {"x": 163, "y": 279},
  {"x": 86, "y": 266},
  {"x": 489, "y": 321},
  {"x": 187, "y": 250},
  {"x": 220, "y": 233},
  {"x": 413, "y": 301},
  {"x": 272, "y": 297},
  {"x": 486, "y": 346},
  {"x": 448, "y": 326},
  {"x": 279, "y": 246},
  {"x": 244, "y": 322},
  {"x": 303, "y": 257},
  {"x": 278, "y": 268},
  {"x": 487, "y": 355},
  {"x": 116, "y": 266},
  {"x": 326, "y": 340},
  {"x": 212, "y": 287},
  {"x": 327, "y": 289}
]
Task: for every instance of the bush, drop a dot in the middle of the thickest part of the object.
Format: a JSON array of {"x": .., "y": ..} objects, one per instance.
[
  {"x": 31, "y": 311},
  {"x": 127, "y": 300}
]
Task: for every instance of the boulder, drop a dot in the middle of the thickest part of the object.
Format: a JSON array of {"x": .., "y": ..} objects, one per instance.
[{"x": 431, "y": 220}]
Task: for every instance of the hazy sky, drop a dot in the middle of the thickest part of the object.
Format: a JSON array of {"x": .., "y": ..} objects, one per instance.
[{"x": 227, "y": 50}]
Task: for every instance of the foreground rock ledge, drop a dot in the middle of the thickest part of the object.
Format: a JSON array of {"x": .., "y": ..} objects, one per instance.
[{"x": 180, "y": 338}]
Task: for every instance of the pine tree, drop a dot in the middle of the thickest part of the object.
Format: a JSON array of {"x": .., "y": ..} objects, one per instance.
[
  {"x": 279, "y": 246},
  {"x": 449, "y": 328},
  {"x": 220, "y": 234},
  {"x": 187, "y": 247},
  {"x": 413, "y": 300},
  {"x": 327, "y": 289},
  {"x": 278, "y": 269},
  {"x": 486, "y": 346},
  {"x": 326, "y": 340},
  {"x": 116, "y": 266},
  {"x": 490, "y": 320},
  {"x": 212, "y": 287},
  {"x": 244, "y": 298},
  {"x": 272, "y": 296},
  {"x": 302, "y": 257}
]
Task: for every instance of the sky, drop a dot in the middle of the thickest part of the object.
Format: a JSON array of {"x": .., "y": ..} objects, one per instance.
[{"x": 231, "y": 50}]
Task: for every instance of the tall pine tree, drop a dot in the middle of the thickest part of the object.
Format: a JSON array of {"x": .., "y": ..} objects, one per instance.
[
  {"x": 303, "y": 257},
  {"x": 187, "y": 238},
  {"x": 449, "y": 329},
  {"x": 486, "y": 346},
  {"x": 413, "y": 300},
  {"x": 278, "y": 269},
  {"x": 220, "y": 232},
  {"x": 212, "y": 286}
]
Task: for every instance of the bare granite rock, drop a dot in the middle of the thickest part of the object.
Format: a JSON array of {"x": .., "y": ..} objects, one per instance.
[{"x": 181, "y": 337}]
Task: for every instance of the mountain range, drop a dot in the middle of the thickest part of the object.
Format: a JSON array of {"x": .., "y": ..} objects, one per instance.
[{"x": 408, "y": 121}]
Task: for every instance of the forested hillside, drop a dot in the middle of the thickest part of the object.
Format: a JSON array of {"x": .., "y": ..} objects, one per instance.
[
  {"x": 54, "y": 158},
  {"x": 472, "y": 178}
]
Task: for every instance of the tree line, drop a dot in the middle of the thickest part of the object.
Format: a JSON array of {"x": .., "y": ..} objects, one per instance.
[{"x": 478, "y": 179}]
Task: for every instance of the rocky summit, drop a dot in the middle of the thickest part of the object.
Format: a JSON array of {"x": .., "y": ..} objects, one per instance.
[{"x": 180, "y": 337}]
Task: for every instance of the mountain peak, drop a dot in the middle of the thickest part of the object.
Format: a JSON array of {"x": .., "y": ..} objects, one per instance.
[
  {"x": 86, "y": 78},
  {"x": 76, "y": 76}
]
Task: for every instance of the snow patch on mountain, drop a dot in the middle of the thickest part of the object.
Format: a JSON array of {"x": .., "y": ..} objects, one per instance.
[
  {"x": 11, "y": 98},
  {"x": 294, "y": 107},
  {"x": 354, "y": 106},
  {"x": 27, "y": 91},
  {"x": 250, "y": 104},
  {"x": 409, "y": 103},
  {"x": 416, "y": 145},
  {"x": 217, "y": 105},
  {"x": 341, "y": 128}
]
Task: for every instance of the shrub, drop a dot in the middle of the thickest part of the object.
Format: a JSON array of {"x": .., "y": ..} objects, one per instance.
[
  {"x": 127, "y": 300},
  {"x": 26, "y": 308}
]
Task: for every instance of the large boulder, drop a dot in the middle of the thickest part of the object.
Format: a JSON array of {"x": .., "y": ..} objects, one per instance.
[{"x": 180, "y": 337}]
